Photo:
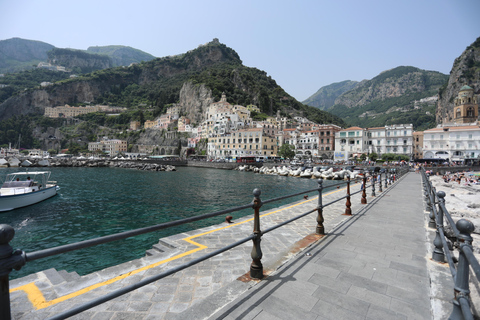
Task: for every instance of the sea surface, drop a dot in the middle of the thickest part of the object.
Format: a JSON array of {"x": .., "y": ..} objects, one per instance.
[{"x": 94, "y": 202}]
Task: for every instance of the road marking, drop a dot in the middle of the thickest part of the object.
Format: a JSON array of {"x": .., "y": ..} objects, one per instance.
[{"x": 38, "y": 301}]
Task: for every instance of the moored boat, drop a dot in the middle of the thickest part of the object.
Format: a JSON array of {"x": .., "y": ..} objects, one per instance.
[{"x": 22, "y": 189}]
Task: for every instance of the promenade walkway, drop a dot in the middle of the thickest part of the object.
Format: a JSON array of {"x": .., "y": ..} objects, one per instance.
[{"x": 372, "y": 265}]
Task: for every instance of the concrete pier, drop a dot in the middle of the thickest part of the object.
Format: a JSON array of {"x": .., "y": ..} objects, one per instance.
[{"x": 374, "y": 264}]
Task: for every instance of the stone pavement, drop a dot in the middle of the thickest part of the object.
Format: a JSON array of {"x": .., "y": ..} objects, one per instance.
[
  {"x": 375, "y": 265},
  {"x": 371, "y": 264}
]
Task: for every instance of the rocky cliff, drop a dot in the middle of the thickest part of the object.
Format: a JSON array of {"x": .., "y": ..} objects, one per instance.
[
  {"x": 465, "y": 71},
  {"x": 325, "y": 97},
  {"x": 194, "y": 100},
  {"x": 79, "y": 61}
]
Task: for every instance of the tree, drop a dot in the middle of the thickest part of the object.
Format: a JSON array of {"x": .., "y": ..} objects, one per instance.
[
  {"x": 373, "y": 156},
  {"x": 287, "y": 151}
]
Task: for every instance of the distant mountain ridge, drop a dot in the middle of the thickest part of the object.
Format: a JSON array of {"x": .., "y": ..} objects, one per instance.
[
  {"x": 325, "y": 97},
  {"x": 20, "y": 54},
  {"x": 122, "y": 55},
  {"x": 390, "y": 98}
]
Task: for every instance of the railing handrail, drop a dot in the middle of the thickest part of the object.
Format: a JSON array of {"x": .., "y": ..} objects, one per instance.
[
  {"x": 462, "y": 230},
  {"x": 16, "y": 258}
]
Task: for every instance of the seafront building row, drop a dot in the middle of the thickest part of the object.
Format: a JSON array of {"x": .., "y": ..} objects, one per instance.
[{"x": 231, "y": 133}]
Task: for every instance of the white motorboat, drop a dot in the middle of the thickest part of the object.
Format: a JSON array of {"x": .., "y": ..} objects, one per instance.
[{"x": 22, "y": 189}]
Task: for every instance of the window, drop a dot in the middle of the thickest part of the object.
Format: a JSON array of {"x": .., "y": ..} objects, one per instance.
[{"x": 328, "y": 140}]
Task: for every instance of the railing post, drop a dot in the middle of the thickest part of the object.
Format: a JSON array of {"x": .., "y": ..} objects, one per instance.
[
  {"x": 364, "y": 186},
  {"x": 380, "y": 182},
  {"x": 374, "y": 177},
  {"x": 256, "y": 268},
  {"x": 438, "y": 254},
  {"x": 348, "y": 204},
  {"x": 320, "y": 228},
  {"x": 9, "y": 259},
  {"x": 461, "y": 290},
  {"x": 430, "y": 199}
]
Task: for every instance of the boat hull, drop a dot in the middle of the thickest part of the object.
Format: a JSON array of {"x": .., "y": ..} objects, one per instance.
[{"x": 10, "y": 202}]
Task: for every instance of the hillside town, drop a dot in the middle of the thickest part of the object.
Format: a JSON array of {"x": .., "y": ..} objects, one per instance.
[{"x": 231, "y": 135}]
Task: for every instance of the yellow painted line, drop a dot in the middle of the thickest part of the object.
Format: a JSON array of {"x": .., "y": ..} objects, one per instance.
[{"x": 38, "y": 301}]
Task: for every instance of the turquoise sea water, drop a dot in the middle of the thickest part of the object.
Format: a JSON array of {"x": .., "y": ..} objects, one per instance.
[{"x": 94, "y": 202}]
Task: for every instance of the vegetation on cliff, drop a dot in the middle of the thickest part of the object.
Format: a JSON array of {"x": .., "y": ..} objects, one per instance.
[
  {"x": 19, "y": 54},
  {"x": 325, "y": 97}
]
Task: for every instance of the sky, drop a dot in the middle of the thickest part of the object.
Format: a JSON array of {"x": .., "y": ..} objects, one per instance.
[{"x": 303, "y": 45}]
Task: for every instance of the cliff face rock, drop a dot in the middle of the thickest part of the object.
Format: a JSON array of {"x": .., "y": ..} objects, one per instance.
[
  {"x": 35, "y": 101},
  {"x": 465, "y": 71},
  {"x": 79, "y": 61},
  {"x": 194, "y": 100},
  {"x": 325, "y": 97},
  {"x": 392, "y": 83}
]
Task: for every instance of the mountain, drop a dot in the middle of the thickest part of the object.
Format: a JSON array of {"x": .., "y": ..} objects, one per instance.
[
  {"x": 207, "y": 71},
  {"x": 465, "y": 71},
  {"x": 122, "y": 55},
  {"x": 19, "y": 54},
  {"x": 392, "y": 97},
  {"x": 325, "y": 97}
]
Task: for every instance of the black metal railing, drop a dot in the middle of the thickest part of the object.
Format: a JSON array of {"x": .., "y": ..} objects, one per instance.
[
  {"x": 15, "y": 259},
  {"x": 459, "y": 268}
]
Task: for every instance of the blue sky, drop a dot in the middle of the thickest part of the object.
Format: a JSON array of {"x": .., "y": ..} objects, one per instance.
[{"x": 303, "y": 45}]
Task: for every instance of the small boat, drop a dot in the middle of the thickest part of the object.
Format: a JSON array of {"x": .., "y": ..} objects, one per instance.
[{"x": 22, "y": 189}]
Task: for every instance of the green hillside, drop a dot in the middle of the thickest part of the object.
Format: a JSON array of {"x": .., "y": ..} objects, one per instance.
[{"x": 122, "y": 55}]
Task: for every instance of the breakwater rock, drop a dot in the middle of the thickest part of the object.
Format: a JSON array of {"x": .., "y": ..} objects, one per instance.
[{"x": 139, "y": 165}]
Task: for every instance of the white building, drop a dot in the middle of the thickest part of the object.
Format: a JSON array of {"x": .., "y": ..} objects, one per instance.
[
  {"x": 456, "y": 143},
  {"x": 355, "y": 141}
]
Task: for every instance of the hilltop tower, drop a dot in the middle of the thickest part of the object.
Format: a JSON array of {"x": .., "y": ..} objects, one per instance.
[{"x": 466, "y": 106}]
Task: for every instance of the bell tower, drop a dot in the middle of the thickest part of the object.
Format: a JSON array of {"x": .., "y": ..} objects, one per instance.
[{"x": 466, "y": 106}]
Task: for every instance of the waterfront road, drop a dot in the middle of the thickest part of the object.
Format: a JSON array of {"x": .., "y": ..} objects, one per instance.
[{"x": 374, "y": 264}]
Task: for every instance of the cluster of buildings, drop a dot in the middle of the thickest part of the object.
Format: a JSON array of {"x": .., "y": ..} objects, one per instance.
[{"x": 230, "y": 133}]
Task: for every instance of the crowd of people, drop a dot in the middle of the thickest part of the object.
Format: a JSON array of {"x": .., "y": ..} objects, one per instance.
[{"x": 468, "y": 178}]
